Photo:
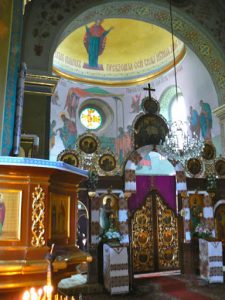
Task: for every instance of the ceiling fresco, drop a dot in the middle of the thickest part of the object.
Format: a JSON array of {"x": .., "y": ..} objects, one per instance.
[{"x": 116, "y": 51}]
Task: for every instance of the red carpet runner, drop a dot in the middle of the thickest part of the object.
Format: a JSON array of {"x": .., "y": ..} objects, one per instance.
[{"x": 177, "y": 288}]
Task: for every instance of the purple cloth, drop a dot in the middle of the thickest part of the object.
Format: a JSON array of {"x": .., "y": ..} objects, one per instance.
[{"x": 165, "y": 186}]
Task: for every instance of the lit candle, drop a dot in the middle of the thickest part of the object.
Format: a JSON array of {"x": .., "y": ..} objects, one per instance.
[
  {"x": 26, "y": 295},
  {"x": 40, "y": 292},
  {"x": 33, "y": 294},
  {"x": 48, "y": 291}
]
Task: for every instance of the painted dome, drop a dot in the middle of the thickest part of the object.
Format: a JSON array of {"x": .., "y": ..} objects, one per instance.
[{"x": 116, "y": 52}]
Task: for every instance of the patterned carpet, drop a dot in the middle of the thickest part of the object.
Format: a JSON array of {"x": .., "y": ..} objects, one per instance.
[
  {"x": 178, "y": 289},
  {"x": 164, "y": 288}
]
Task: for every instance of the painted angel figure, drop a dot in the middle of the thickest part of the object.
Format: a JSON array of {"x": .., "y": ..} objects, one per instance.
[{"x": 135, "y": 105}]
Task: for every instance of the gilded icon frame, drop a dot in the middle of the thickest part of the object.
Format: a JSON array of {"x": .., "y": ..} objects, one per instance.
[
  {"x": 111, "y": 162},
  {"x": 70, "y": 157},
  {"x": 209, "y": 151},
  {"x": 220, "y": 167},
  {"x": 88, "y": 143},
  {"x": 194, "y": 166}
]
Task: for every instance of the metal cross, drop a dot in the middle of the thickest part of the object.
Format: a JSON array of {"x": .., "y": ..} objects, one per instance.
[{"x": 149, "y": 90}]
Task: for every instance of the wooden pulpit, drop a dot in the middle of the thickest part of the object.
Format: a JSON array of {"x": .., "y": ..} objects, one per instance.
[{"x": 37, "y": 210}]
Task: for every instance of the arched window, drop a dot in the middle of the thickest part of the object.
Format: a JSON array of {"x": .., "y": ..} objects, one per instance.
[
  {"x": 178, "y": 109},
  {"x": 171, "y": 107}
]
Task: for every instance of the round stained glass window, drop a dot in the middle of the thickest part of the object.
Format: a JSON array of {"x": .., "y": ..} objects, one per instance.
[{"x": 91, "y": 118}]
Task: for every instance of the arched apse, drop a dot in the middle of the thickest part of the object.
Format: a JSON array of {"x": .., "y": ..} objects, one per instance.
[{"x": 188, "y": 26}]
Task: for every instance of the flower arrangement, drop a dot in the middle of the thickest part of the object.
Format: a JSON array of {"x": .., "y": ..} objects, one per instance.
[
  {"x": 111, "y": 235},
  {"x": 202, "y": 230}
]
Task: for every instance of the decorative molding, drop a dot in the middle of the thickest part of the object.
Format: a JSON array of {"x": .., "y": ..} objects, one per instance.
[
  {"x": 40, "y": 84},
  {"x": 219, "y": 112},
  {"x": 36, "y": 162},
  {"x": 38, "y": 218},
  {"x": 132, "y": 80}
]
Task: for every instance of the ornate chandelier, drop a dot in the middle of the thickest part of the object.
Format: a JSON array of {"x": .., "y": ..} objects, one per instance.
[{"x": 179, "y": 145}]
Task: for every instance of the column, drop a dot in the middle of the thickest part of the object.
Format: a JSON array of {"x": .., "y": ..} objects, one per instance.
[{"x": 219, "y": 112}]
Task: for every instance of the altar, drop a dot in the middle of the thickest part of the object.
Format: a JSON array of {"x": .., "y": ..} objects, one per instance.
[{"x": 37, "y": 212}]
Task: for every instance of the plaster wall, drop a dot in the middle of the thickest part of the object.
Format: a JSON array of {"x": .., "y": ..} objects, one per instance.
[{"x": 190, "y": 72}]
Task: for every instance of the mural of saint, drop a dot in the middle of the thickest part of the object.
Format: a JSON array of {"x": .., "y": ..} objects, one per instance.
[
  {"x": 205, "y": 120},
  {"x": 194, "y": 122},
  {"x": 68, "y": 132},
  {"x": 123, "y": 142},
  {"x": 94, "y": 42},
  {"x": 72, "y": 102}
]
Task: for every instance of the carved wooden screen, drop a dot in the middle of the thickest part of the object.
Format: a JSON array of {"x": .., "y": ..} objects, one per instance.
[
  {"x": 142, "y": 238},
  {"x": 154, "y": 236}
]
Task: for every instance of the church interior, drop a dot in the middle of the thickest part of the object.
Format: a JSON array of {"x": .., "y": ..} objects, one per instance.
[{"x": 112, "y": 145}]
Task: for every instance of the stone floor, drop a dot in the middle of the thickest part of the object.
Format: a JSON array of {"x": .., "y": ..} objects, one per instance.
[{"x": 144, "y": 289}]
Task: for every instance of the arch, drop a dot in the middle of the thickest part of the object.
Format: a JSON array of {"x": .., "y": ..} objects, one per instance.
[
  {"x": 132, "y": 164},
  {"x": 186, "y": 25},
  {"x": 181, "y": 187}
]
